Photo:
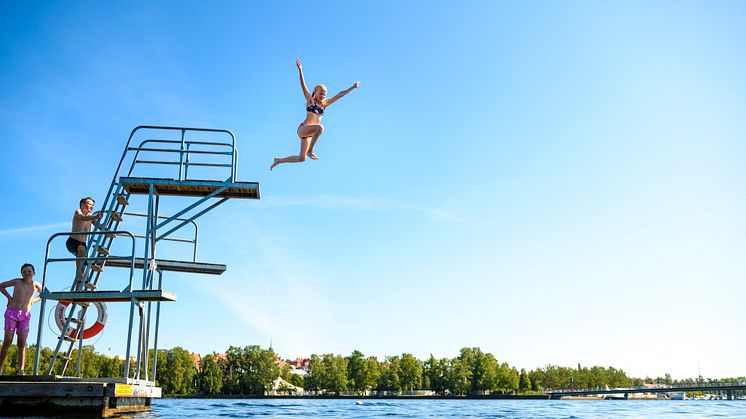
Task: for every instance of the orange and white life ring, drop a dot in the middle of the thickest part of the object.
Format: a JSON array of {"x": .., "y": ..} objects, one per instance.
[{"x": 96, "y": 328}]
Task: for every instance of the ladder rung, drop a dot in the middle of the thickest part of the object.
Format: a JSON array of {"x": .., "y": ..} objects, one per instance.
[
  {"x": 69, "y": 338},
  {"x": 96, "y": 267},
  {"x": 122, "y": 200},
  {"x": 109, "y": 234},
  {"x": 75, "y": 320},
  {"x": 90, "y": 286},
  {"x": 115, "y": 216},
  {"x": 63, "y": 357},
  {"x": 103, "y": 250}
]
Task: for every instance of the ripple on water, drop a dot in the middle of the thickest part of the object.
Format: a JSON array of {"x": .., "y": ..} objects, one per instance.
[{"x": 478, "y": 409}]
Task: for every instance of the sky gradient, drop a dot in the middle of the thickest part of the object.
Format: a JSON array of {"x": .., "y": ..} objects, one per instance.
[{"x": 554, "y": 182}]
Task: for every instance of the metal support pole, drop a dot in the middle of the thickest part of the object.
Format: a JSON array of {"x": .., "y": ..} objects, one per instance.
[
  {"x": 157, "y": 323},
  {"x": 181, "y": 156},
  {"x": 81, "y": 328},
  {"x": 129, "y": 340},
  {"x": 139, "y": 339},
  {"x": 148, "y": 232},
  {"x": 42, "y": 310}
]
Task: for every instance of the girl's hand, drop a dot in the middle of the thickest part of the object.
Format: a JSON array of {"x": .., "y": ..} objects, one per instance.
[
  {"x": 356, "y": 85},
  {"x": 297, "y": 63}
]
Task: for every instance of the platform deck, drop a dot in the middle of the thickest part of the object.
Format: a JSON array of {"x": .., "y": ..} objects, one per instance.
[
  {"x": 140, "y": 186},
  {"x": 173, "y": 266},
  {"x": 111, "y": 296}
]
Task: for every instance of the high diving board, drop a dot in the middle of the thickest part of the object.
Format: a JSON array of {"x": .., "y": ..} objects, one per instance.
[
  {"x": 110, "y": 296},
  {"x": 141, "y": 186},
  {"x": 173, "y": 266}
]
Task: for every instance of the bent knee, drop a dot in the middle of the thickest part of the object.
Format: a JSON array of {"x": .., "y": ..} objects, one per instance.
[{"x": 302, "y": 158}]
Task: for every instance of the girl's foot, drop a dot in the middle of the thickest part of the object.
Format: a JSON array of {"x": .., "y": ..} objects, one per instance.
[
  {"x": 312, "y": 156},
  {"x": 274, "y": 163}
]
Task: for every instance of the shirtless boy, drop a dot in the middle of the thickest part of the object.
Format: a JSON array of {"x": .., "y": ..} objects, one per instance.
[
  {"x": 82, "y": 220},
  {"x": 18, "y": 313}
]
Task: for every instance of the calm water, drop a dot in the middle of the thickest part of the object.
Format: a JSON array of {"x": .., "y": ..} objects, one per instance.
[{"x": 581, "y": 409}]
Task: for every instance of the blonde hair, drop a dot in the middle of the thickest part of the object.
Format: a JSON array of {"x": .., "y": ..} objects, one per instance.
[{"x": 313, "y": 93}]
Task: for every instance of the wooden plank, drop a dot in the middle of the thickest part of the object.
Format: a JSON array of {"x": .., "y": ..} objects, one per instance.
[{"x": 122, "y": 200}]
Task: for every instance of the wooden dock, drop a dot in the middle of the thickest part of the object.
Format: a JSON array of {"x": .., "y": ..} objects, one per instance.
[{"x": 30, "y": 395}]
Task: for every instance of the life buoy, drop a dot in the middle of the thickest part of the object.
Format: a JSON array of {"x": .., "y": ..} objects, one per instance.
[{"x": 96, "y": 328}]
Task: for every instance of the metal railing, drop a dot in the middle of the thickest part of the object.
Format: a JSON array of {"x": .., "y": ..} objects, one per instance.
[
  {"x": 173, "y": 239},
  {"x": 79, "y": 276},
  {"x": 184, "y": 154}
]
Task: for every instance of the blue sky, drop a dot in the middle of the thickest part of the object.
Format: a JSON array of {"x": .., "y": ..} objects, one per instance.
[{"x": 554, "y": 182}]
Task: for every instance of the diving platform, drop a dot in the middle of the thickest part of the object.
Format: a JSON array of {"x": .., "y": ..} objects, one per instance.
[
  {"x": 161, "y": 168},
  {"x": 110, "y": 296},
  {"x": 173, "y": 266},
  {"x": 49, "y": 395},
  {"x": 193, "y": 188}
]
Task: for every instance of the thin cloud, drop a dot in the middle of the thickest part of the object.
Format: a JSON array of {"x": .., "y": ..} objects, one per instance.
[
  {"x": 333, "y": 202},
  {"x": 17, "y": 230}
]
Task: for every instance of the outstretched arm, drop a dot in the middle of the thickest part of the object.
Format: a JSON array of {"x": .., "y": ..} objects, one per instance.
[
  {"x": 95, "y": 216},
  {"x": 306, "y": 93},
  {"x": 342, "y": 93}
]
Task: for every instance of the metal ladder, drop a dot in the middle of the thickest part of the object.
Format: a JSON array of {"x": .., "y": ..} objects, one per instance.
[{"x": 97, "y": 252}]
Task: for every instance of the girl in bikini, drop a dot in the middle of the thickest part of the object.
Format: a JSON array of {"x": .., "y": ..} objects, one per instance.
[{"x": 311, "y": 129}]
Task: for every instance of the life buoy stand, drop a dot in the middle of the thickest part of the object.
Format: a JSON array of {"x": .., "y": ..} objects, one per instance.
[{"x": 93, "y": 330}]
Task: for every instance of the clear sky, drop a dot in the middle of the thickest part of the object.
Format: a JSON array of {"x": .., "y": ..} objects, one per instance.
[{"x": 554, "y": 182}]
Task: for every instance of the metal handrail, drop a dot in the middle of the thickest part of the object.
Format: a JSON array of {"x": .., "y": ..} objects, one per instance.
[
  {"x": 183, "y": 150},
  {"x": 194, "y": 223},
  {"x": 47, "y": 260}
]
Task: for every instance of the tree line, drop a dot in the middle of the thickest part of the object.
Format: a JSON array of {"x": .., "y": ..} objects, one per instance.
[{"x": 253, "y": 370}]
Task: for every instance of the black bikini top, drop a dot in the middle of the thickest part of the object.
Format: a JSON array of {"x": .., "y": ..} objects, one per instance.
[{"x": 314, "y": 108}]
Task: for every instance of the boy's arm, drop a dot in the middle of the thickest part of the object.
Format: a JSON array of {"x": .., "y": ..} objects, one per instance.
[
  {"x": 95, "y": 216},
  {"x": 37, "y": 287},
  {"x": 5, "y": 285}
]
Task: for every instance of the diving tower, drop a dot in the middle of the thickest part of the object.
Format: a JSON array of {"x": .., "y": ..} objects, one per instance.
[{"x": 158, "y": 163}]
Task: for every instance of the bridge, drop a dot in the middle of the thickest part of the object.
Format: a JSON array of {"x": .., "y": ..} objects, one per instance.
[{"x": 728, "y": 388}]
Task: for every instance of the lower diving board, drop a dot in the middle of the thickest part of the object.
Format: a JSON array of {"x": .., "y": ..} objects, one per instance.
[
  {"x": 110, "y": 296},
  {"x": 173, "y": 266}
]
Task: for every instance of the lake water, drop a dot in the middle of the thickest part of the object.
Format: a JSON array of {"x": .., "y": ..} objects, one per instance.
[{"x": 509, "y": 409}]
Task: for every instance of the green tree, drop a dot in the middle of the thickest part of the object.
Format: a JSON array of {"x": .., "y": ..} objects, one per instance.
[
  {"x": 357, "y": 370},
  {"x": 313, "y": 380},
  {"x": 390, "y": 378},
  {"x": 335, "y": 380},
  {"x": 436, "y": 374},
  {"x": 210, "y": 379},
  {"x": 261, "y": 370},
  {"x": 484, "y": 372},
  {"x": 178, "y": 372},
  {"x": 524, "y": 381},
  {"x": 411, "y": 372}
]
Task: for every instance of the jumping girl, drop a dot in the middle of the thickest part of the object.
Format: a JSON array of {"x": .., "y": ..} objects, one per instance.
[{"x": 311, "y": 129}]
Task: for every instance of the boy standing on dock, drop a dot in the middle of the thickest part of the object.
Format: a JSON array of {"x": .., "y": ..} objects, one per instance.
[
  {"x": 82, "y": 220},
  {"x": 18, "y": 313}
]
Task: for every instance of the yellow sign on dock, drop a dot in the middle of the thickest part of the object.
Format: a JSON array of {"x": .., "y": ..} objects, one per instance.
[{"x": 123, "y": 389}]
